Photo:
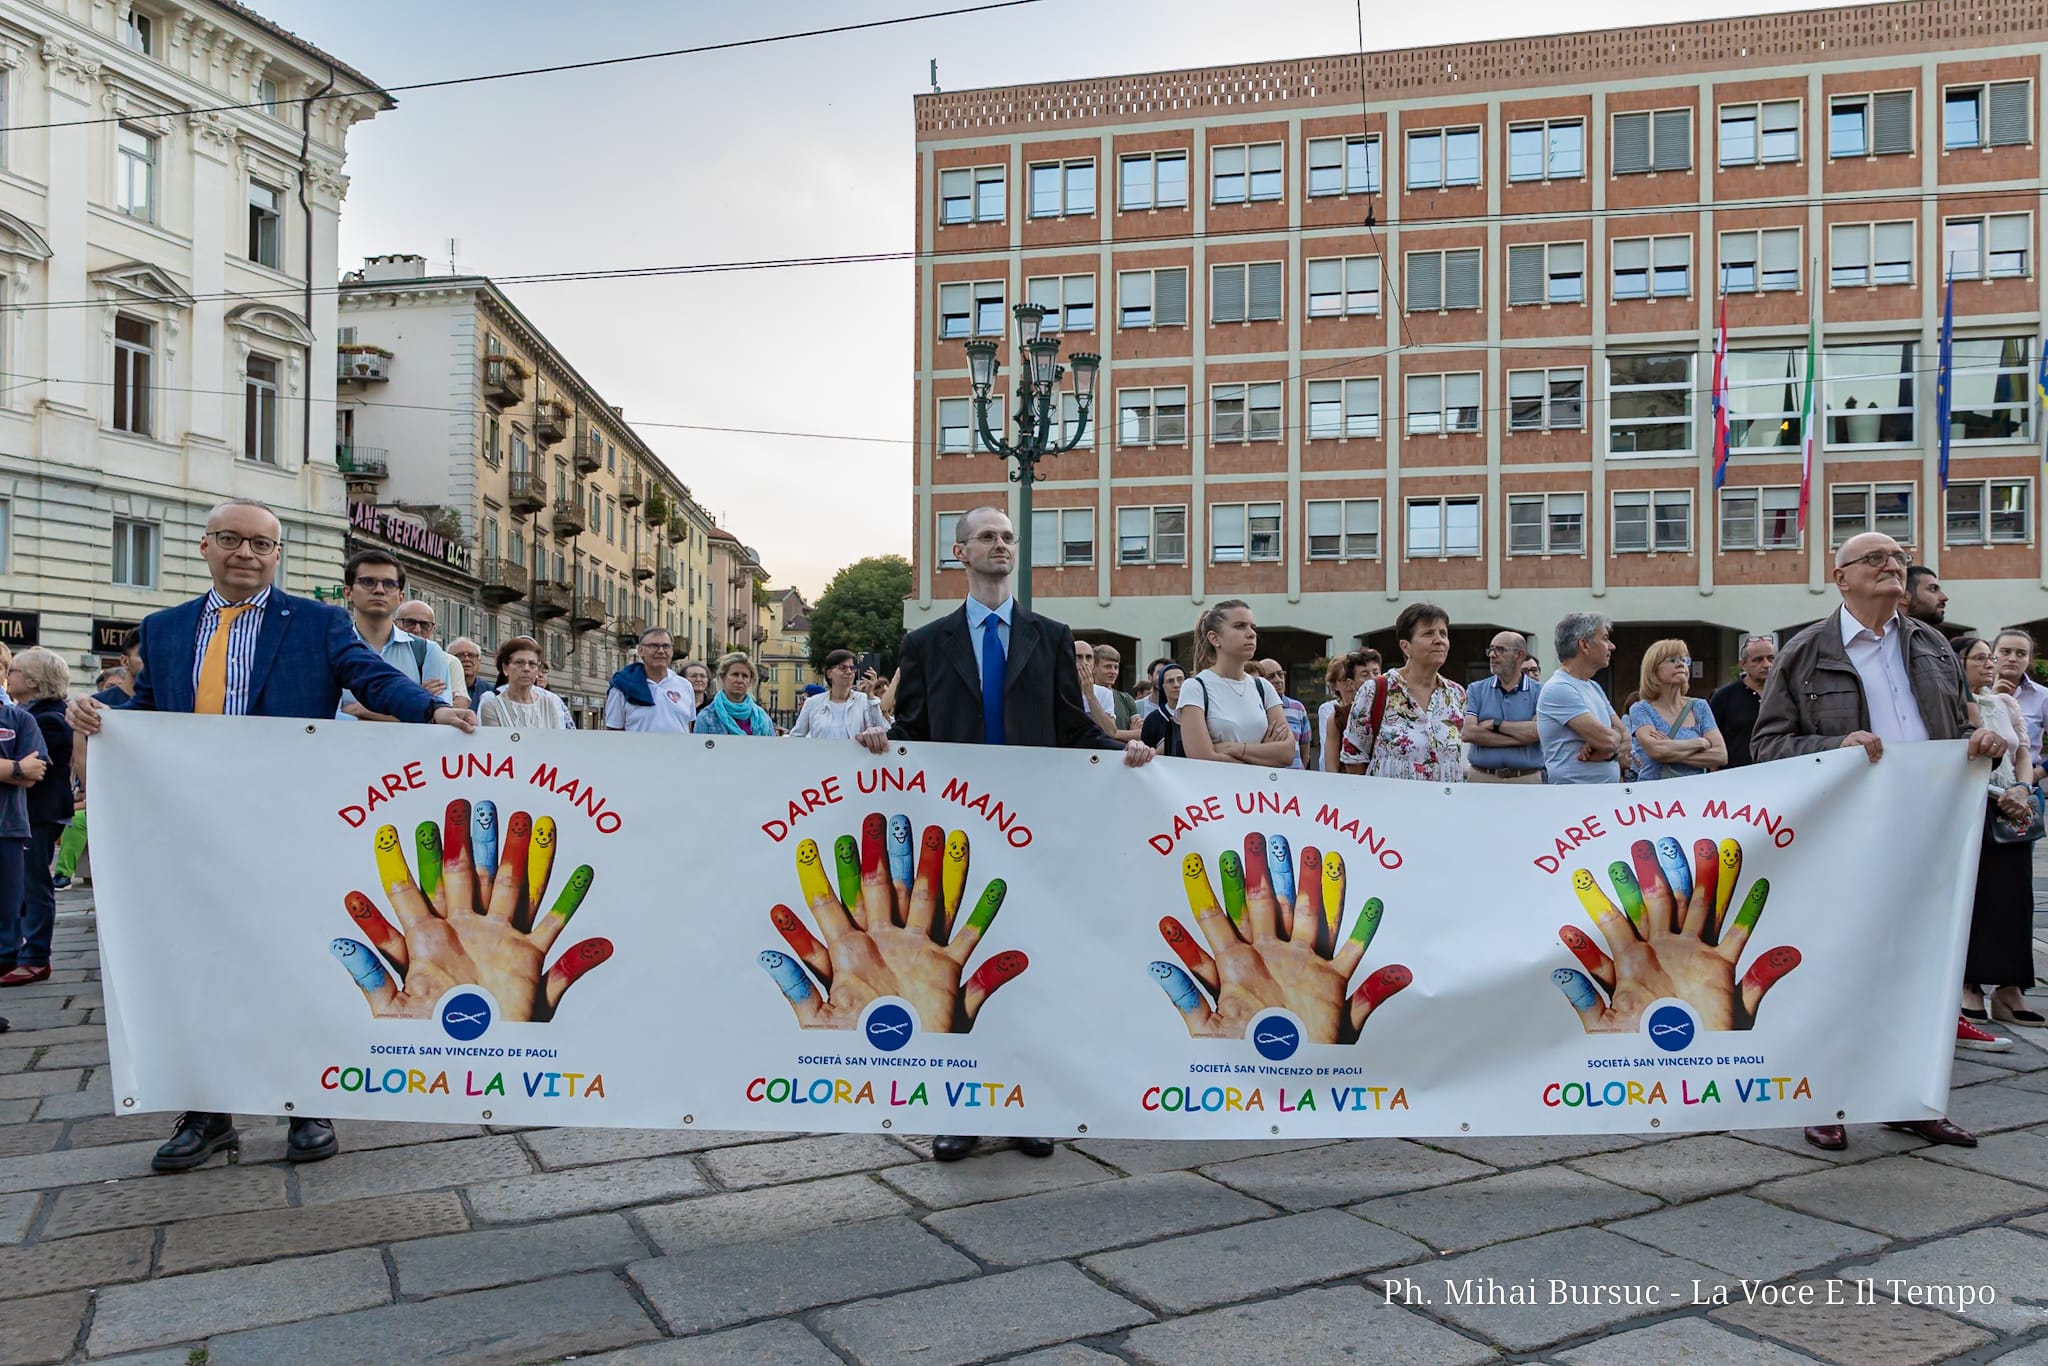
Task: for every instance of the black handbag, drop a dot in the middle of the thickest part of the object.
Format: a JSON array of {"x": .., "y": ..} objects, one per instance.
[{"x": 2004, "y": 831}]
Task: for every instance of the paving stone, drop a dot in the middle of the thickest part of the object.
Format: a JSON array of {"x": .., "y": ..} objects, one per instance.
[
  {"x": 391, "y": 1170},
  {"x": 484, "y": 1258},
  {"x": 75, "y": 1263},
  {"x": 73, "y": 1055},
  {"x": 40, "y": 1083},
  {"x": 2021, "y": 1155},
  {"x": 1341, "y": 1323},
  {"x": 801, "y": 1159},
  {"x": 43, "y": 1329},
  {"x": 1990, "y": 1108},
  {"x": 124, "y": 1128},
  {"x": 543, "y": 1321},
  {"x": 1496, "y": 1208},
  {"x": 1681, "y": 1342},
  {"x": 1143, "y": 1156},
  {"x": 2030, "y": 1081},
  {"x": 1866, "y": 1143},
  {"x": 1072, "y": 1354},
  {"x": 186, "y": 1308},
  {"x": 1904, "y": 1196},
  {"x": 41, "y": 1026},
  {"x": 21, "y": 1140},
  {"x": 2013, "y": 1265},
  {"x": 707, "y": 1290},
  {"x": 66, "y": 1168},
  {"x": 164, "y": 1199},
  {"x": 784, "y": 1343},
  {"x": 1344, "y": 1173},
  {"x": 16, "y": 1059},
  {"x": 1572, "y": 1265},
  {"x": 1851, "y": 1334},
  {"x": 16, "y": 1212},
  {"x": 1250, "y": 1260},
  {"x": 1967, "y": 1073},
  {"x": 558, "y": 1148},
  {"x": 162, "y": 1356},
  {"x": 1534, "y": 1150},
  {"x": 236, "y": 1239},
  {"x": 954, "y": 1325},
  {"x": 1690, "y": 1168},
  {"x": 993, "y": 1176},
  {"x": 363, "y": 1135},
  {"x": 582, "y": 1190},
  {"x": 1092, "y": 1218},
  {"x": 1748, "y": 1237},
  {"x": 747, "y": 1216},
  {"x": 17, "y": 1111}
]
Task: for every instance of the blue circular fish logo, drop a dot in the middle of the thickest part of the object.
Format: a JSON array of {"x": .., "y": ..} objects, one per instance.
[
  {"x": 1276, "y": 1035},
  {"x": 465, "y": 1017},
  {"x": 888, "y": 1027},
  {"x": 1672, "y": 1028}
]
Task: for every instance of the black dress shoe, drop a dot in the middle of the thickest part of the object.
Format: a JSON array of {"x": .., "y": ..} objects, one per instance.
[
  {"x": 311, "y": 1140},
  {"x": 1829, "y": 1138},
  {"x": 1035, "y": 1147},
  {"x": 3, "y": 1024},
  {"x": 953, "y": 1147},
  {"x": 199, "y": 1135}
]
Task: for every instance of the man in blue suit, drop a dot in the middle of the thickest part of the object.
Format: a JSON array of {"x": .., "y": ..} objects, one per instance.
[{"x": 249, "y": 649}]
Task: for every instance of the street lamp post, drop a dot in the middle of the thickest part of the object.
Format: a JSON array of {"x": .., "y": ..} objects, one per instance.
[{"x": 1037, "y": 413}]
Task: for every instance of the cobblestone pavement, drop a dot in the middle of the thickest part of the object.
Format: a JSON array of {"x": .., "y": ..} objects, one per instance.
[{"x": 457, "y": 1243}]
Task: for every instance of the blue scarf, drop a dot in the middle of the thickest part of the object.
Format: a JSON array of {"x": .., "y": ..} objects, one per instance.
[
  {"x": 631, "y": 682},
  {"x": 744, "y": 717}
]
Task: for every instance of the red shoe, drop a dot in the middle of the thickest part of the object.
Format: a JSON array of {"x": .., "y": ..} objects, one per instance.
[
  {"x": 1967, "y": 1034},
  {"x": 24, "y": 974}
]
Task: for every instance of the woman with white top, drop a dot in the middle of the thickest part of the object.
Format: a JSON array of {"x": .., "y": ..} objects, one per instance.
[
  {"x": 522, "y": 703},
  {"x": 1409, "y": 723},
  {"x": 841, "y": 711},
  {"x": 1228, "y": 713}
]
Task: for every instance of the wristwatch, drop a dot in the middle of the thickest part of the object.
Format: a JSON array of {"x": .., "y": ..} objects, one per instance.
[{"x": 1495, "y": 725}]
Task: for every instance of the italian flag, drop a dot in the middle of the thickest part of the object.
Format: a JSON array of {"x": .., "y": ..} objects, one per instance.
[{"x": 1806, "y": 423}]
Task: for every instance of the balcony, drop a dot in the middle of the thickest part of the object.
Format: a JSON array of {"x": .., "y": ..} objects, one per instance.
[
  {"x": 632, "y": 489},
  {"x": 370, "y": 463},
  {"x": 760, "y": 636},
  {"x": 503, "y": 581},
  {"x": 664, "y": 580},
  {"x": 643, "y": 567},
  {"x": 588, "y": 615},
  {"x": 361, "y": 365},
  {"x": 572, "y": 518},
  {"x": 550, "y": 421},
  {"x": 529, "y": 492},
  {"x": 629, "y": 629},
  {"x": 504, "y": 381},
  {"x": 737, "y": 618},
  {"x": 678, "y": 529},
  {"x": 589, "y": 450},
  {"x": 550, "y": 599}
]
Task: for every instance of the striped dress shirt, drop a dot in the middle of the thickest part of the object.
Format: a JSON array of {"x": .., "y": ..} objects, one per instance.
[{"x": 241, "y": 646}]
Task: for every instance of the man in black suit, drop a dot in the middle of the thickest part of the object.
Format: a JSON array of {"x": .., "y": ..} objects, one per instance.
[{"x": 993, "y": 673}]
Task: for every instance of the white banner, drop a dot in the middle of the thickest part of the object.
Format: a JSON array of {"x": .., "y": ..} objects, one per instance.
[{"x": 401, "y": 922}]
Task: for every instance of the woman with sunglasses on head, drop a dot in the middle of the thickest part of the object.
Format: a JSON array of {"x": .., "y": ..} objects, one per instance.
[{"x": 1674, "y": 736}]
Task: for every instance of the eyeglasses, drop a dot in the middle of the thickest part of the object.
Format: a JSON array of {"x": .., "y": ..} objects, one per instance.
[
  {"x": 362, "y": 580},
  {"x": 232, "y": 541},
  {"x": 1878, "y": 559},
  {"x": 1502, "y": 650},
  {"x": 415, "y": 623}
]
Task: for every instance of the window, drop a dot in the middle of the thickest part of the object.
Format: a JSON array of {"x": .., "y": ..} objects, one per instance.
[
  {"x": 1062, "y": 537},
  {"x": 1547, "y": 151},
  {"x": 134, "y": 374},
  {"x": 1652, "y": 522},
  {"x": 1343, "y": 286},
  {"x": 1151, "y": 535},
  {"x": 1341, "y": 408},
  {"x": 1649, "y": 404},
  {"x": 1547, "y": 273},
  {"x": 1992, "y": 512},
  {"x": 259, "y": 410},
  {"x": 1441, "y": 527},
  {"x": 1245, "y": 175},
  {"x": 1070, "y": 423},
  {"x": 1764, "y": 261},
  {"x": 971, "y": 309},
  {"x": 1239, "y": 532},
  {"x": 1765, "y": 398},
  {"x": 266, "y": 95},
  {"x": 1344, "y": 529},
  {"x": 945, "y": 534},
  {"x": 5, "y": 526},
  {"x": 1755, "y": 133},
  {"x": 1153, "y": 180},
  {"x": 1546, "y": 400},
  {"x": 1652, "y": 267},
  {"x": 957, "y": 432},
  {"x": 491, "y": 441},
  {"x": 134, "y": 553},
  {"x": 1995, "y": 115},
  {"x": 266, "y": 224},
  {"x": 1871, "y": 125},
  {"x": 139, "y": 32},
  {"x": 1856, "y": 508},
  {"x": 1991, "y": 397},
  {"x": 1870, "y": 254},
  {"x": 1443, "y": 156},
  {"x": 1244, "y": 412},
  {"x": 1059, "y": 188},
  {"x": 1440, "y": 280},
  {"x": 1760, "y": 518},
  {"x": 1343, "y": 166},
  {"x": 1147, "y": 417},
  {"x": 1987, "y": 247},
  {"x": 1152, "y": 298},
  {"x": 1244, "y": 293},
  {"x": 971, "y": 195},
  {"x": 1547, "y": 524},
  {"x": 135, "y": 173},
  {"x": 1869, "y": 394},
  {"x": 1652, "y": 141},
  {"x": 519, "y": 457},
  {"x": 1068, "y": 301},
  {"x": 1443, "y": 403}
]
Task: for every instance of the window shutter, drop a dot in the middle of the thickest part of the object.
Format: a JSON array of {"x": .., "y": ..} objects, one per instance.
[
  {"x": 1781, "y": 116},
  {"x": 1631, "y": 143},
  {"x": 1425, "y": 281},
  {"x": 1326, "y": 276},
  {"x": 1673, "y": 253},
  {"x": 1461, "y": 279},
  {"x": 2008, "y": 232},
  {"x": 1044, "y": 291},
  {"x": 1263, "y": 288},
  {"x": 1852, "y": 245},
  {"x": 1781, "y": 250},
  {"x": 1632, "y": 253},
  {"x": 2009, "y": 113},
  {"x": 1674, "y": 140},
  {"x": 1891, "y": 122},
  {"x": 1525, "y": 275},
  {"x": 1895, "y": 242},
  {"x": 1226, "y": 294},
  {"x": 1170, "y": 298}
]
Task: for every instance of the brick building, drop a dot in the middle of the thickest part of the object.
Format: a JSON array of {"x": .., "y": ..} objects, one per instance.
[{"x": 1440, "y": 323}]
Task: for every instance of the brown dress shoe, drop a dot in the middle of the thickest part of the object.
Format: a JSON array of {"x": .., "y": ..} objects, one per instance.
[
  {"x": 1829, "y": 1138},
  {"x": 1938, "y": 1131}
]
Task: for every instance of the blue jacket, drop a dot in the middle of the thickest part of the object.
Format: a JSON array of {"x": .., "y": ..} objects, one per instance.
[{"x": 308, "y": 652}]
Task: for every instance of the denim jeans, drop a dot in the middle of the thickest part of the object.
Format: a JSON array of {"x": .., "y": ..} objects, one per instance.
[
  {"x": 39, "y": 899},
  {"x": 13, "y": 863}
]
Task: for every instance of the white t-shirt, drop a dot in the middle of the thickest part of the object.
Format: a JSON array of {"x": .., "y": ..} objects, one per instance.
[
  {"x": 673, "y": 712},
  {"x": 1235, "y": 709},
  {"x": 1106, "y": 699},
  {"x": 1326, "y": 758}
]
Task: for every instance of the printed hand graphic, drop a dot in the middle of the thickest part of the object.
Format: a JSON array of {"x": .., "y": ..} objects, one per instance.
[
  {"x": 889, "y": 931},
  {"x": 1272, "y": 946},
  {"x": 471, "y": 919},
  {"x": 1671, "y": 938}
]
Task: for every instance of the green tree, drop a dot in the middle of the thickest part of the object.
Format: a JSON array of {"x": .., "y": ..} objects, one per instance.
[{"x": 862, "y": 610}]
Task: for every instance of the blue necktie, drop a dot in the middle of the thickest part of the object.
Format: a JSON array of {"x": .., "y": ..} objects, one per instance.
[{"x": 992, "y": 665}]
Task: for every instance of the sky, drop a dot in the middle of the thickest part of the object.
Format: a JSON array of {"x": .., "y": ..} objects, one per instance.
[{"x": 789, "y": 149}]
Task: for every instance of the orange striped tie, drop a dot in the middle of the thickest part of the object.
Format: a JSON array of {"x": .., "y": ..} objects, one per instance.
[{"x": 211, "y": 696}]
